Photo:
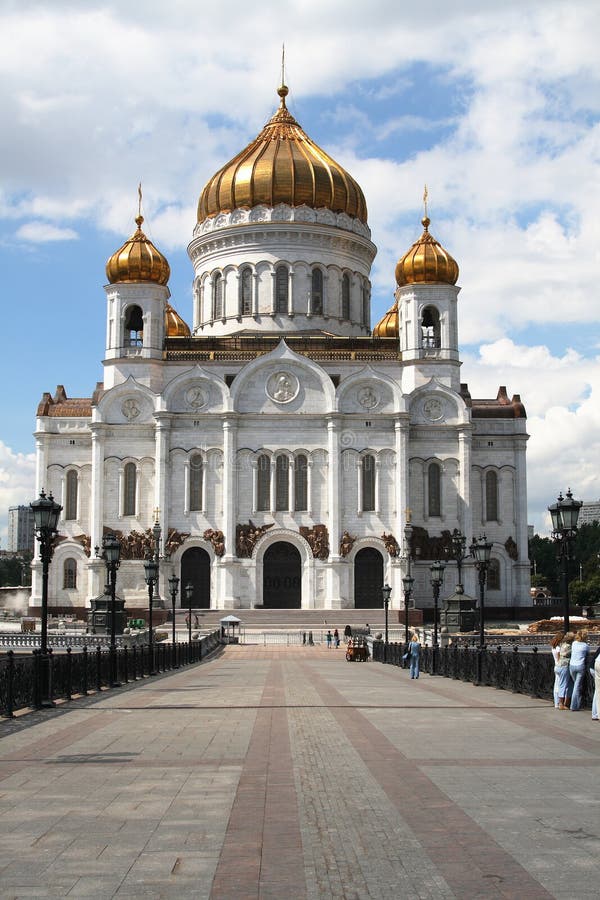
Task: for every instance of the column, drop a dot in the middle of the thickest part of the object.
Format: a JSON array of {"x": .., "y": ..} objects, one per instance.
[
  {"x": 41, "y": 462},
  {"x": 230, "y": 484},
  {"x": 401, "y": 429},
  {"x": 333, "y": 484},
  {"x": 97, "y": 485},
  {"x": 464, "y": 481},
  {"x": 161, "y": 468}
]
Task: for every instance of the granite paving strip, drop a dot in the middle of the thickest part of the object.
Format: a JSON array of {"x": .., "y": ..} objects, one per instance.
[
  {"x": 356, "y": 841},
  {"x": 262, "y": 851},
  {"x": 560, "y": 728},
  {"x": 474, "y": 864}
]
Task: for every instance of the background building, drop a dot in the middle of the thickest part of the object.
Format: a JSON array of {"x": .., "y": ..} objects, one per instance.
[
  {"x": 20, "y": 529},
  {"x": 281, "y": 444},
  {"x": 589, "y": 512}
]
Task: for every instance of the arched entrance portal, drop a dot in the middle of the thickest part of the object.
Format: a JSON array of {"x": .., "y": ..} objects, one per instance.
[
  {"x": 282, "y": 577},
  {"x": 368, "y": 578},
  {"x": 195, "y": 569}
]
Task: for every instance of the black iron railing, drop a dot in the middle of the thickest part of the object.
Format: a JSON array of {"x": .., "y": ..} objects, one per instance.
[
  {"x": 521, "y": 671},
  {"x": 34, "y": 680}
]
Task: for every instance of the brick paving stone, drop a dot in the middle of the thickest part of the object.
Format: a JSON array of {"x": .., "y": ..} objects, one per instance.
[{"x": 289, "y": 773}]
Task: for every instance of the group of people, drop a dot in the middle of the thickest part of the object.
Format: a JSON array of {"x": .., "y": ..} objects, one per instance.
[
  {"x": 572, "y": 660},
  {"x": 333, "y": 639}
]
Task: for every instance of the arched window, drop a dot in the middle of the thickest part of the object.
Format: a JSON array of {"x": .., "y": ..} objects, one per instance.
[
  {"x": 129, "y": 489},
  {"x": 316, "y": 294},
  {"x": 282, "y": 482},
  {"x": 218, "y": 296},
  {"x": 434, "y": 489},
  {"x": 246, "y": 292},
  {"x": 301, "y": 482},
  {"x": 263, "y": 485},
  {"x": 430, "y": 329},
  {"x": 491, "y": 497},
  {"x": 345, "y": 296},
  {"x": 366, "y": 317},
  {"x": 281, "y": 289},
  {"x": 70, "y": 574},
  {"x": 196, "y": 473},
  {"x": 493, "y": 575},
  {"x": 134, "y": 327},
  {"x": 368, "y": 482},
  {"x": 71, "y": 495}
]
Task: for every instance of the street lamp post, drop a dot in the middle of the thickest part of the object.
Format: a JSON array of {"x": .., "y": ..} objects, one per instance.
[
  {"x": 437, "y": 578},
  {"x": 457, "y": 552},
  {"x": 151, "y": 567},
  {"x": 45, "y": 518},
  {"x": 565, "y": 513},
  {"x": 151, "y": 575},
  {"x": 111, "y": 553},
  {"x": 45, "y": 521},
  {"x": 481, "y": 551},
  {"x": 407, "y": 583},
  {"x": 386, "y": 591},
  {"x": 173, "y": 588},
  {"x": 189, "y": 593}
]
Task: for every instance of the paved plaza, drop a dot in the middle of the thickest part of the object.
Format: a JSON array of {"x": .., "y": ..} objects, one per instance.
[{"x": 290, "y": 773}]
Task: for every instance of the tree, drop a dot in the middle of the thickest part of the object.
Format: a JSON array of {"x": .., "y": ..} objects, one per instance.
[
  {"x": 542, "y": 554},
  {"x": 14, "y": 570},
  {"x": 585, "y": 593}
]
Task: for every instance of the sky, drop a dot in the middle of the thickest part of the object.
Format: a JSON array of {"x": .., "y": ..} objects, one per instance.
[{"x": 496, "y": 107}]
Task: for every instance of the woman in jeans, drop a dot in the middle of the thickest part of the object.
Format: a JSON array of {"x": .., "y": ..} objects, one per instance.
[
  {"x": 414, "y": 654},
  {"x": 564, "y": 677},
  {"x": 578, "y": 667}
]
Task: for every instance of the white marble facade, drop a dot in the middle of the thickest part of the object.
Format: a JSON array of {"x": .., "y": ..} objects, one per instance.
[{"x": 338, "y": 435}]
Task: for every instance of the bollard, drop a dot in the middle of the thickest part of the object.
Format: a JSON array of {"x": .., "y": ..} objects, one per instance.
[
  {"x": 10, "y": 683},
  {"x": 68, "y": 679},
  {"x": 84, "y": 680},
  {"x": 98, "y": 668}
]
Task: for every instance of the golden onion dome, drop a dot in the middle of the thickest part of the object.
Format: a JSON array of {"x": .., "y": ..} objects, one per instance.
[
  {"x": 138, "y": 260},
  {"x": 426, "y": 261},
  {"x": 282, "y": 165},
  {"x": 388, "y": 326},
  {"x": 174, "y": 324}
]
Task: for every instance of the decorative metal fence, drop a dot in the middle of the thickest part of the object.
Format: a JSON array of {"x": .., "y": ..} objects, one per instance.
[
  {"x": 31, "y": 641},
  {"x": 34, "y": 680},
  {"x": 523, "y": 672}
]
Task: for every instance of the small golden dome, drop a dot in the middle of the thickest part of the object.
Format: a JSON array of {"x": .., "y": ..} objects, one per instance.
[
  {"x": 282, "y": 165},
  {"x": 388, "y": 326},
  {"x": 138, "y": 260},
  {"x": 426, "y": 261},
  {"x": 174, "y": 324}
]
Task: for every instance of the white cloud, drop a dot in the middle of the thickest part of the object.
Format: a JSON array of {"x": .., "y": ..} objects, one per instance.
[
  {"x": 42, "y": 232},
  {"x": 108, "y": 98},
  {"x": 17, "y": 483}
]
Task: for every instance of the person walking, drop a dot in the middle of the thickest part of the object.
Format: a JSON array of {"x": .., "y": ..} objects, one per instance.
[
  {"x": 336, "y": 638},
  {"x": 578, "y": 667},
  {"x": 414, "y": 654},
  {"x": 564, "y": 677},
  {"x": 329, "y": 636},
  {"x": 595, "y": 671},
  {"x": 555, "y": 648}
]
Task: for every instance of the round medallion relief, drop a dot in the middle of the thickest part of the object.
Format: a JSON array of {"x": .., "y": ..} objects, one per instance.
[
  {"x": 368, "y": 397},
  {"x": 433, "y": 409},
  {"x": 195, "y": 398},
  {"x": 130, "y": 408},
  {"x": 282, "y": 387}
]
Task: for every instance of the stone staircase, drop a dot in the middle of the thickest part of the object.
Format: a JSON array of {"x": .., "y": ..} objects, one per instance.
[{"x": 292, "y": 619}]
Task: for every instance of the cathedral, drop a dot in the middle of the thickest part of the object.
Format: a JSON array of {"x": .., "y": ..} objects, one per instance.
[{"x": 280, "y": 442}]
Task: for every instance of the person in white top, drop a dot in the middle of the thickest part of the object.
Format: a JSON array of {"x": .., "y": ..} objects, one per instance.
[{"x": 555, "y": 648}]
